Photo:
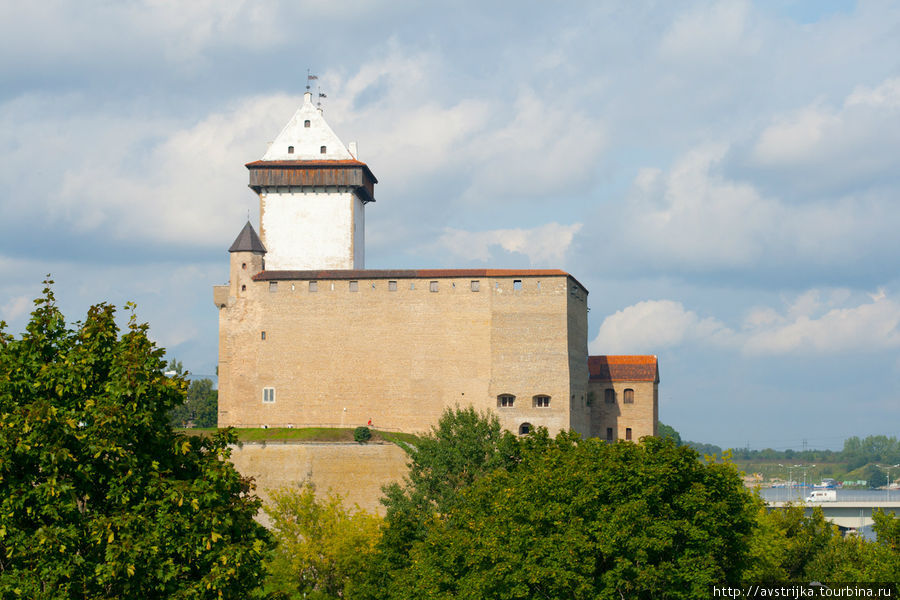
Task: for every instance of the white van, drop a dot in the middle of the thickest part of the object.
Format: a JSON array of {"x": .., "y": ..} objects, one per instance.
[{"x": 822, "y": 496}]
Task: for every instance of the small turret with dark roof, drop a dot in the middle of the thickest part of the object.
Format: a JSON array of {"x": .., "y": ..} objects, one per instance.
[{"x": 247, "y": 241}]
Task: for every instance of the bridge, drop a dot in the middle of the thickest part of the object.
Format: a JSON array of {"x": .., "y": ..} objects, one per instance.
[{"x": 845, "y": 514}]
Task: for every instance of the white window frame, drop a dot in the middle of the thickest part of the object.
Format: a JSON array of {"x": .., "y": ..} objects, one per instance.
[{"x": 270, "y": 393}]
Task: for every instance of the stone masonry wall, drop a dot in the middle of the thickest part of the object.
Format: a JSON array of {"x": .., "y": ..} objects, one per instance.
[
  {"x": 355, "y": 471},
  {"x": 400, "y": 354}
]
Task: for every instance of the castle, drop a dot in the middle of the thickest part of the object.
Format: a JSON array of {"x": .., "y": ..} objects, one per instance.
[{"x": 308, "y": 337}]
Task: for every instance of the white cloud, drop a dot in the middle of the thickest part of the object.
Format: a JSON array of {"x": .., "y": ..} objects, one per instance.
[
  {"x": 651, "y": 325},
  {"x": 825, "y": 148},
  {"x": 15, "y": 307},
  {"x": 866, "y": 327},
  {"x": 812, "y": 323},
  {"x": 710, "y": 33},
  {"x": 544, "y": 246}
]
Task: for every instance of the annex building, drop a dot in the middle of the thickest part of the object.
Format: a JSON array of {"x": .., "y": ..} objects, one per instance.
[{"x": 308, "y": 337}]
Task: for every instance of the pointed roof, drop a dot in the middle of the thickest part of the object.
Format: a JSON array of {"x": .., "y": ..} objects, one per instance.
[
  {"x": 297, "y": 142},
  {"x": 247, "y": 241}
]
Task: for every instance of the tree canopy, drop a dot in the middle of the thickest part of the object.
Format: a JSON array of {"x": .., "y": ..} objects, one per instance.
[
  {"x": 535, "y": 517},
  {"x": 100, "y": 498}
]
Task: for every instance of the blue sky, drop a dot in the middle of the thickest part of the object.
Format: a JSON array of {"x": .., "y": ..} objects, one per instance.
[{"x": 722, "y": 176}]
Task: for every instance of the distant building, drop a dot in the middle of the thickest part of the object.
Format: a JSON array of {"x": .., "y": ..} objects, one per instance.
[{"x": 309, "y": 337}]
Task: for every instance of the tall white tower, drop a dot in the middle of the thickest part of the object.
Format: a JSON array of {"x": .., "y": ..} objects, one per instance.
[{"x": 312, "y": 197}]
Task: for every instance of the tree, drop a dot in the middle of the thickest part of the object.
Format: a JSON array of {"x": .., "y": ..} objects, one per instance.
[
  {"x": 786, "y": 542},
  {"x": 463, "y": 447},
  {"x": 100, "y": 498},
  {"x": 321, "y": 544},
  {"x": 667, "y": 431},
  {"x": 201, "y": 406},
  {"x": 586, "y": 519}
]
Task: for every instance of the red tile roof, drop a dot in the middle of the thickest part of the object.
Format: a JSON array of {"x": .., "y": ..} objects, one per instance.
[
  {"x": 408, "y": 274},
  {"x": 624, "y": 368}
]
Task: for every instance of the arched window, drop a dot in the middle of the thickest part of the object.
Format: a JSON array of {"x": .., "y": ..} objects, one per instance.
[
  {"x": 306, "y": 123},
  {"x": 628, "y": 396},
  {"x": 542, "y": 401},
  {"x": 505, "y": 400},
  {"x": 628, "y": 433},
  {"x": 609, "y": 396},
  {"x": 322, "y": 150},
  {"x": 290, "y": 149},
  {"x": 524, "y": 428}
]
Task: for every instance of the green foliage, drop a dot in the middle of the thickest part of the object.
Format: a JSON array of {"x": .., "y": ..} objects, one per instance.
[
  {"x": 585, "y": 519},
  {"x": 668, "y": 432},
  {"x": 875, "y": 476},
  {"x": 853, "y": 558},
  {"x": 464, "y": 446},
  {"x": 321, "y": 544},
  {"x": 887, "y": 528},
  {"x": 362, "y": 434},
  {"x": 786, "y": 542},
  {"x": 100, "y": 498},
  {"x": 200, "y": 408}
]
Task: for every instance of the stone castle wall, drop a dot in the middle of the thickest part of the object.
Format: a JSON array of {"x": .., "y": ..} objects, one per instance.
[
  {"x": 640, "y": 416},
  {"x": 355, "y": 471},
  {"x": 340, "y": 352}
]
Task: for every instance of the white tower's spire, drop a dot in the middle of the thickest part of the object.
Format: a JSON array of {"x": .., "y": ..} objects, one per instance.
[{"x": 312, "y": 197}]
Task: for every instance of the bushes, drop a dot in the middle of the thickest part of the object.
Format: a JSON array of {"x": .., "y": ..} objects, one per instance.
[{"x": 362, "y": 434}]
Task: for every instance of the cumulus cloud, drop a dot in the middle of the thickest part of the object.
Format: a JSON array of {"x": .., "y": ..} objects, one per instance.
[
  {"x": 651, "y": 325},
  {"x": 814, "y": 322},
  {"x": 544, "y": 246},
  {"x": 821, "y": 147},
  {"x": 710, "y": 33},
  {"x": 811, "y": 327},
  {"x": 814, "y": 192}
]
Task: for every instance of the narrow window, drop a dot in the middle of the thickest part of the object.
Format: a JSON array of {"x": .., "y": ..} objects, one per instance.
[
  {"x": 610, "y": 396},
  {"x": 244, "y": 266},
  {"x": 542, "y": 401},
  {"x": 262, "y": 335},
  {"x": 412, "y": 285},
  {"x": 476, "y": 285},
  {"x": 628, "y": 433},
  {"x": 290, "y": 149},
  {"x": 433, "y": 286},
  {"x": 273, "y": 286},
  {"x": 505, "y": 400},
  {"x": 524, "y": 428},
  {"x": 322, "y": 150},
  {"x": 268, "y": 395},
  {"x": 243, "y": 288},
  {"x": 628, "y": 396},
  {"x": 306, "y": 123},
  {"x": 314, "y": 286},
  {"x": 538, "y": 285},
  {"x": 517, "y": 284},
  {"x": 354, "y": 286},
  {"x": 609, "y": 435},
  {"x": 392, "y": 286}
]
